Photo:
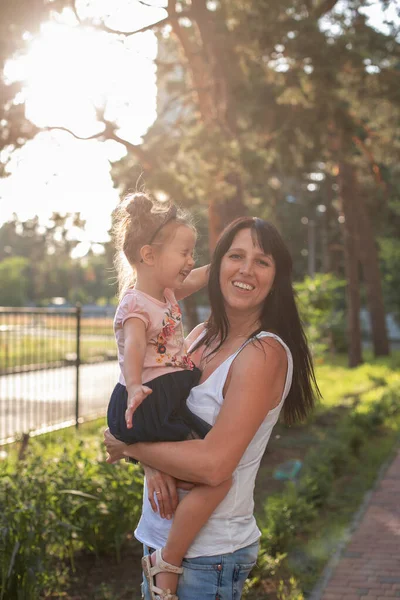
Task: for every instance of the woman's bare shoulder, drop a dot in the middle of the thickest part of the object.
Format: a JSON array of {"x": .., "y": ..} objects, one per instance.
[{"x": 261, "y": 352}]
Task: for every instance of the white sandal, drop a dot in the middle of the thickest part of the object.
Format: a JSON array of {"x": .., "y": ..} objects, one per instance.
[{"x": 151, "y": 571}]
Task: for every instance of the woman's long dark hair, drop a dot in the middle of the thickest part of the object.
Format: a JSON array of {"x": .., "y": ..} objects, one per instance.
[{"x": 279, "y": 314}]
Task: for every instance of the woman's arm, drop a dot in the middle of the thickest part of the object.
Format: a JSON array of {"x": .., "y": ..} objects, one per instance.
[{"x": 255, "y": 387}]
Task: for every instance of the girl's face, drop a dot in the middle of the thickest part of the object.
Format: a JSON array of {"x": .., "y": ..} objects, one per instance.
[
  {"x": 174, "y": 259},
  {"x": 246, "y": 274}
]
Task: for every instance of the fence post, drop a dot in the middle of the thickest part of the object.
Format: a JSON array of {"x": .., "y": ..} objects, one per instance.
[{"x": 78, "y": 360}]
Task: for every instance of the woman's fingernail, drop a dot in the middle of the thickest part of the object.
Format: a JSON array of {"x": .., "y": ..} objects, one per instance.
[{"x": 169, "y": 516}]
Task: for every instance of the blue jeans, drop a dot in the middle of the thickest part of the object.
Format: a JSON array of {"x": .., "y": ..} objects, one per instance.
[{"x": 219, "y": 577}]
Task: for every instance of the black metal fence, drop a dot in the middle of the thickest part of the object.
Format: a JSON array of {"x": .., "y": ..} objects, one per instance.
[{"x": 57, "y": 368}]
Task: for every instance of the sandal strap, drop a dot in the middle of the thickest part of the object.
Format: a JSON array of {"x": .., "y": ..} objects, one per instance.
[
  {"x": 165, "y": 595},
  {"x": 162, "y": 566}
]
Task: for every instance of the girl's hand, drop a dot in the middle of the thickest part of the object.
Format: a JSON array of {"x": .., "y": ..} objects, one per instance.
[
  {"x": 115, "y": 448},
  {"x": 136, "y": 396},
  {"x": 162, "y": 487}
]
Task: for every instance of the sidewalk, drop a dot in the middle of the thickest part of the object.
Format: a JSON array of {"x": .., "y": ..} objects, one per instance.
[{"x": 369, "y": 566}]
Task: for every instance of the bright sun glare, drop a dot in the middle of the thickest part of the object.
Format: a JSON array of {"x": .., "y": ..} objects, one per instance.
[
  {"x": 68, "y": 73},
  {"x": 71, "y": 70}
]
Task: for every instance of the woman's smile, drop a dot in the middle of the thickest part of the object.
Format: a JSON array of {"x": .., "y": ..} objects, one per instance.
[{"x": 242, "y": 285}]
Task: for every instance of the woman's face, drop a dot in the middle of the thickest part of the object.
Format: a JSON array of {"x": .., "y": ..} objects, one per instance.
[{"x": 246, "y": 274}]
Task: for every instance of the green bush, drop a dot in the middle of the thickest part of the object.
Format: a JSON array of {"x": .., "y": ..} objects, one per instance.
[
  {"x": 356, "y": 438},
  {"x": 282, "y": 516},
  {"x": 55, "y": 503},
  {"x": 321, "y": 304}
]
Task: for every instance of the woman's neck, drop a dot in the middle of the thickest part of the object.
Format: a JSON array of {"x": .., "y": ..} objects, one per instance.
[
  {"x": 243, "y": 325},
  {"x": 148, "y": 285}
]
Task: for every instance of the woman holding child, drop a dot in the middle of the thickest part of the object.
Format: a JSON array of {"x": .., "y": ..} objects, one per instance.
[{"x": 254, "y": 363}]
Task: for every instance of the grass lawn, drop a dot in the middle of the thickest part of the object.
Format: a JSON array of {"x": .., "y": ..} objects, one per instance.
[
  {"x": 32, "y": 350},
  {"x": 106, "y": 578},
  {"x": 27, "y": 339}
]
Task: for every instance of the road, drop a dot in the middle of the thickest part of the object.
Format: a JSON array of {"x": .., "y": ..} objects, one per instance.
[{"x": 36, "y": 400}]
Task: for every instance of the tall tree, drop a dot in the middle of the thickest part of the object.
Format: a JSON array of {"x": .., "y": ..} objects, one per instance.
[{"x": 263, "y": 92}]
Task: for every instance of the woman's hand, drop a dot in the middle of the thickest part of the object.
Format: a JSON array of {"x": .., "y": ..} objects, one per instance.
[
  {"x": 115, "y": 448},
  {"x": 164, "y": 488}
]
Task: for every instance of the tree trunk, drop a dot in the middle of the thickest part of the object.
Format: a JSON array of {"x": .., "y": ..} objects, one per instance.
[
  {"x": 373, "y": 280},
  {"x": 327, "y": 259},
  {"x": 216, "y": 105},
  {"x": 221, "y": 212},
  {"x": 348, "y": 193}
]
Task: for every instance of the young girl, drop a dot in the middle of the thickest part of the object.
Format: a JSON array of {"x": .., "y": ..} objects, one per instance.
[{"x": 149, "y": 402}]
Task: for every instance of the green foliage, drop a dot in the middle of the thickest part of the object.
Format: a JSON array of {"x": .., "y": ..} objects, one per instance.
[
  {"x": 289, "y": 591},
  {"x": 49, "y": 271},
  {"x": 13, "y": 290},
  {"x": 58, "y": 501},
  {"x": 321, "y": 303},
  {"x": 339, "y": 386},
  {"x": 283, "y": 513}
]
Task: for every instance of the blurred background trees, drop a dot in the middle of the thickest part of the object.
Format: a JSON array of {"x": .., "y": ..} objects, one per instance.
[{"x": 288, "y": 111}]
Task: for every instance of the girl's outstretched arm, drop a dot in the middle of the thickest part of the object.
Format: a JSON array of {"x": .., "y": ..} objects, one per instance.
[
  {"x": 196, "y": 280},
  {"x": 255, "y": 387},
  {"x": 134, "y": 352}
]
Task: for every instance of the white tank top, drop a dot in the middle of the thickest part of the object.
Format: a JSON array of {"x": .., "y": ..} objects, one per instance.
[{"x": 232, "y": 525}]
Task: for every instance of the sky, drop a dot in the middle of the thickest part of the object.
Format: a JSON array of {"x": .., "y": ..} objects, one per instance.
[{"x": 67, "y": 72}]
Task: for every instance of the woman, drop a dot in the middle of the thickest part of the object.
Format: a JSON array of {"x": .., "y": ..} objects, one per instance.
[{"x": 255, "y": 361}]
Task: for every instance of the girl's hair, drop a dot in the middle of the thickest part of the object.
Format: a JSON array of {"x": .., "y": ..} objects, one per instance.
[
  {"x": 139, "y": 220},
  {"x": 279, "y": 313}
]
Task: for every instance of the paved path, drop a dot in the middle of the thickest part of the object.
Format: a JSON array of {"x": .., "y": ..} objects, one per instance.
[{"x": 369, "y": 567}]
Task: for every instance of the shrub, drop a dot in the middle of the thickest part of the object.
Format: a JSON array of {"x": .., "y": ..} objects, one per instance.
[
  {"x": 321, "y": 303},
  {"x": 52, "y": 506},
  {"x": 283, "y": 514}
]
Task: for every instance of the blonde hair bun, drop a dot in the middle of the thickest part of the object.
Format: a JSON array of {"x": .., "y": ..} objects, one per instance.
[{"x": 139, "y": 205}]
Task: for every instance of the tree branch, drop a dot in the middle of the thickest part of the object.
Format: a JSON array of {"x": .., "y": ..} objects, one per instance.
[
  {"x": 78, "y": 137},
  {"x": 108, "y": 133},
  {"x": 104, "y": 27},
  {"x": 146, "y": 162},
  {"x": 171, "y": 16},
  {"x": 148, "y": 5},
  {"x": 72, "y": 5}
]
